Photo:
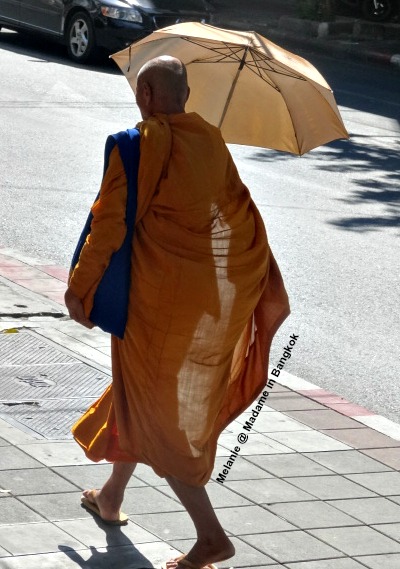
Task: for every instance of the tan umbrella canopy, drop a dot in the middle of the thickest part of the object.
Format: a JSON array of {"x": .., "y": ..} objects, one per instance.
[{"x": 257, "y": 93}]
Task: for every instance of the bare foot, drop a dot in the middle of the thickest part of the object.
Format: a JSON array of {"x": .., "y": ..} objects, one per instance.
[
  {"x": 108, "y": 508},
  {"x": 203, "y": 553}
]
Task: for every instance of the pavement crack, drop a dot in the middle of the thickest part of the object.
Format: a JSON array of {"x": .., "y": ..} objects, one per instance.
[{"x": 32, "y": 314}]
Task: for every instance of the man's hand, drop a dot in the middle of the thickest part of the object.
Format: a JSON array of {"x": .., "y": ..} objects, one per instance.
[{"x": 75, "y": 309}]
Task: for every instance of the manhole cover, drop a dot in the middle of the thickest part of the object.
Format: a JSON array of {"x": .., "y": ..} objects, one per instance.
[{"x": 42, "y": 388}]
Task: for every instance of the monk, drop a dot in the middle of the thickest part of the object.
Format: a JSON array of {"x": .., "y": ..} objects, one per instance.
[{"x": 206, "y": 300}]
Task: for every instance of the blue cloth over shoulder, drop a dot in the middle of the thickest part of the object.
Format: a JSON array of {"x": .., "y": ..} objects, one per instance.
[{"x": 110, "y": 307}]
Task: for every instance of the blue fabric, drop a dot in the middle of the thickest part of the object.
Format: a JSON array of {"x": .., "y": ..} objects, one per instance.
[{"x": 110, "y": 308}]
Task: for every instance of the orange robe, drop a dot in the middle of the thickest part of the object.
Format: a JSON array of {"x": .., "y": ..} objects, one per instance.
[{"x": 206, "y": 299}]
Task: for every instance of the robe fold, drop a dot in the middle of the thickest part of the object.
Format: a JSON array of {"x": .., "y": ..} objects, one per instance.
[{"x": 206, "y": 300}]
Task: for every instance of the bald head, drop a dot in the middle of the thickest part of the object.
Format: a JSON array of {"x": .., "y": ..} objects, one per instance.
[{"x": 162, "y": 86}]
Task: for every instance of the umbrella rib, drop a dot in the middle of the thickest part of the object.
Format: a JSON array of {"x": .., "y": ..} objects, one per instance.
[
  {"x": 229, "y": 50},
  {"x": 228, "y": 100}
]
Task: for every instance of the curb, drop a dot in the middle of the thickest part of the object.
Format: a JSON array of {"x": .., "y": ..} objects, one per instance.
[
  {"x": 342, "y": 48},
  {"x": 340, "y": 405},
  {"x": 324, "y": 43},
  {"x": 34, "y": 275},
  {"x": 14, "y": 265}
]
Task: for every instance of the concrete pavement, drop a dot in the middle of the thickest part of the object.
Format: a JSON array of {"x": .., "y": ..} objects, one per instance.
[{"x": 316, "y": 484}]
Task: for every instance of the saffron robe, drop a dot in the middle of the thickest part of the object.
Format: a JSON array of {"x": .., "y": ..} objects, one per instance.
[{"x": 206, "y": 299}]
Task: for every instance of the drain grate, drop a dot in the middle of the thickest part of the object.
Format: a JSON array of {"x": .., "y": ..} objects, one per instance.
[
  {"x": 52, "y": 419},
  {"x": 42, "y": 388},
  {"x": 25, "y": 348}
]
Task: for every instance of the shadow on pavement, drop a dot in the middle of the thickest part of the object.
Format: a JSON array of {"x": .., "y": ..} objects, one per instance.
[
  {"x": 120, "y": 552},
  {"x": 44, "y": 50},
  {"x": 358, "y": 157},
  {"x": 376, "y": 171}
]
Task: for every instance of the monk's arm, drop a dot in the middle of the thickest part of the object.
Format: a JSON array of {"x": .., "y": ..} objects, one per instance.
[{"x": 108, "y": 230}]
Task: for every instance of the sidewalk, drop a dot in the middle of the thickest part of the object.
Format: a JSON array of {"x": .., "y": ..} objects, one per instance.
[
  {"x": 313, "y": 487},
  {"x": 347, "y": 37}
]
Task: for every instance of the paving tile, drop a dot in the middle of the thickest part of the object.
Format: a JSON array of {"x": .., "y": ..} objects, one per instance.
[
  {"x": 3, "y": 554},
  {"x": 243, "y": 469},
  {"x": 13, "y": 435},
  {"x": 55, "y": 454},
  {"x": 21, "y": 272},
  {"x": 331, "y": 487},
  {"x": 245, "y": 556},
  {"x": 395, "y": 499},
  {"x": 167, "y": 526},
  {"x": 391, "y": 530},
  {"x": 382, "y": 424},
  {"x": 286, "y": 465},
  {"x": 308, "y": 515},
  {"x": 220, "y": 496},
  {"x": 351, "y": 409},
  {"x": 10, "y": 262},
  {"x": 265, "y": 408},
  {"x": 291, "y": 546},
  {"x": 370, "y": 510},
  {"x": 359, "y": 540},
  {"x": 325, "y": 419},
  {"x": 58, "y": 272},
  {"x": 308, "y": 441},
  {"x": 157, "y": 553},
  {"x": 55, "y": 507},
  {"x": 389, "y": 456},
  {"x": 27, "y": 539},
  {"x": 384, "y": 483},
  {"x": 13, "y": 512},
  {"x": 91, "y": 475},
  {"x": 42, "y": 284},
  {"x": 256, "y": 444},
  {"x": 270, "y": 491},
  {"x": 147, "y": 474},
  {"x": 347, "y": 462},
  {"x": 324, "y": 396},
  {"x": 278, "y": 388},
  {"x": 148, "y": 501},
  {"x": 144, "y": 556},
  {"x": 390, "y": 561},
  {"x": 345, "y": 563},
  {"x": 274, "y": 421},
  {"x": 362, "y": 438},
  {"x": 34, "y": 481},
  {"x": 97, "y": 535},
  {"x": 251, "y": 520},
  {"x": 4, "y": 443},
  {"x": 12, "y": 457},
  {"x": 292, "y": 402},
  {"x": 127, "y": 557}
]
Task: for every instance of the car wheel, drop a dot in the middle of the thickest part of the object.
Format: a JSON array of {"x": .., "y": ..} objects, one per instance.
[
  {"x": 379, "y": 13},
  {"x": 80, "y": 37}
]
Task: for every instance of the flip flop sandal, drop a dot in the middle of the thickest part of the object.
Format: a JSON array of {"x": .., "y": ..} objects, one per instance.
[{"x": 92, "y": 507}]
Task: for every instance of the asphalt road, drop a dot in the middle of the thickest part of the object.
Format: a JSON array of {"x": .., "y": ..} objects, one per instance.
[{"x": 332, "y": 215}]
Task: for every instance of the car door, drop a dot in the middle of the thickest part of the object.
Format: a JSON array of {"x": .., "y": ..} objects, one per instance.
[
  {"x": 10, "y": 10},
  {"x": 46, "y": 15}
]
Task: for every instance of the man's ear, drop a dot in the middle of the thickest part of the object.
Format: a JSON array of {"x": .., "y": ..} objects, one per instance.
[
  {"x": 147, "y": 92},
  {"x": 188, "y": 93}
]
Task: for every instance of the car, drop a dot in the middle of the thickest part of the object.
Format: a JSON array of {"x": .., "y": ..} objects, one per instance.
[
  {"x": 374, "y": 10},
  {"x": 86, "y": 25}
]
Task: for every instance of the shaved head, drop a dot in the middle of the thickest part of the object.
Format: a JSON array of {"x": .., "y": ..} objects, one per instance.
[{"x": 162, "y": 86}]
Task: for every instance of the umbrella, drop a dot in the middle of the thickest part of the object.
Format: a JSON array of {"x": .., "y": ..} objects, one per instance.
[{"x": 256, "y": 92}]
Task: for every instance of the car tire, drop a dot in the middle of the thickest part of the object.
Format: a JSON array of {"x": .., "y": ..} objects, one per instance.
[
  {"x": 80, "y": 38},
  {"x": 381, "y": 14}
]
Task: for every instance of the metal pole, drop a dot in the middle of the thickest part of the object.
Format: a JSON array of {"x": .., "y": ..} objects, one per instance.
[{"x": 228, "y": 100}]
